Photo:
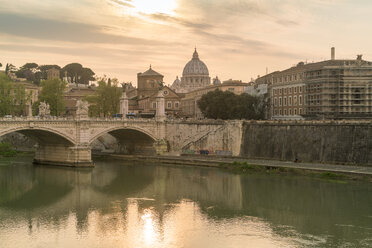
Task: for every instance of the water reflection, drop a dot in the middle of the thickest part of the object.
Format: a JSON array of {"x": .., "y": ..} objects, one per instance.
[{"x": 136, "y": 205}]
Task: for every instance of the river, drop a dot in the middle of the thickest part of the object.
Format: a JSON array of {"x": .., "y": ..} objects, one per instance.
[{"x": 119, "y": 204}]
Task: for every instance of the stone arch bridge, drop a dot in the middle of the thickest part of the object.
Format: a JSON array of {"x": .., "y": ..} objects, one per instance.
[{"x": 63, "y": 141}]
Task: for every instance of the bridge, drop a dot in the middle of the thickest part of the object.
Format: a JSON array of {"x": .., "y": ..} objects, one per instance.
[{"x": 68, "y": 141}]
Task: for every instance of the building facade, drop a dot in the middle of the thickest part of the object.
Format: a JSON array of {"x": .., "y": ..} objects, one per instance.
[
  {"x": 331, "y": 89},
  {"x": 148, "y": 83},
  {"x": 171, "y": 99},
  {"x": 53, "y": 73}
]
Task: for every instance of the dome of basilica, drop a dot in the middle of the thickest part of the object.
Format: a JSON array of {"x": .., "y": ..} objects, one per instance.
[{"x": 195, "y": 67}]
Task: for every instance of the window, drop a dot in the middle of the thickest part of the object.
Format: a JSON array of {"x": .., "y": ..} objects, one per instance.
[
  {"x": 169, "y": 105},
  {"x": 285, "y": 112},
  {"x": 300, "y": 100},
  {"x": 300, "y": 90},
  {"x": 176, "y": 104},
  {"x": 285, "y": 91},
  {"x": 275, "y": 102},
  {"x": 289, "y": 101},
  {"x": 295, "y": 111},
  {"x": 290, "y": 111},
  {"x": 295, "y": 100},
  {"x": 280, "y": 91},
  {"x": 154, "y": 105},
  {"x": 280, "y": 101},
  {"x": 285, "y": 101},
  {"x": 295, "y": 89},
  {"x": 290, "y": 90},
  {"x": 280, "y": 112},
  {"x": 231, "y": 89},
  {"x": 300, "y": 111}
]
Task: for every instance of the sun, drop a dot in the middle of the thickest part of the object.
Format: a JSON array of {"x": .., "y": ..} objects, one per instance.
[{"x": 153, "y": 6}]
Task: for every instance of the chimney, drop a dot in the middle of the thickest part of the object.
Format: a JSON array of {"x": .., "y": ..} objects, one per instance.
[{"x": 333, "y": 53}]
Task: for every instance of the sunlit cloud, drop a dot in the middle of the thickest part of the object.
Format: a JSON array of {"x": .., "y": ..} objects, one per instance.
[{"x": 236, "y": 38}]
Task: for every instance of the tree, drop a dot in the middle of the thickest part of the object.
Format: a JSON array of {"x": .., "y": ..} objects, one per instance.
[
  {"x": 27, "y": 71},
  {"x": 52, "y": 92},
  {"x": 30, "y": 66},
  {"x": 1, "y": 65},
  {"x": 74, "y": 71},
  {"x": 106, "y": 101},
  {"x": 86, "y": 76},
  {"x": 226, "y": 105},
  {"x": 13, "y": 97},
  {"x": 78, "y": 73},
  {"x": 47, "y": 67},
  {"x": 10, "y": 68}
]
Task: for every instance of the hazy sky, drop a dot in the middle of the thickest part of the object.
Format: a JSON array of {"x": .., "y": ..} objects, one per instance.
[{"x": 236, "y": 38}]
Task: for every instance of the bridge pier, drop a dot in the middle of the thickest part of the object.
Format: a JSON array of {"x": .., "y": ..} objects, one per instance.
[
  {"x": 161, "y": 146},
  {"x": 73, "y": 156}
]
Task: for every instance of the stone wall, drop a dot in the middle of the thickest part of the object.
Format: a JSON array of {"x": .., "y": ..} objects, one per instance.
[
  {"x": 211, "y": 136},
  {"x": 309, "y": 141}
]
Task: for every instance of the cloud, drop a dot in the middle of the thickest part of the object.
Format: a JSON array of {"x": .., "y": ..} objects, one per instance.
[
  {"x": 46, "y": 29},
  {"x": 122, "y": 3},
  {"x": 177, "y": 20},
  {"x": 285, "y": 22}
]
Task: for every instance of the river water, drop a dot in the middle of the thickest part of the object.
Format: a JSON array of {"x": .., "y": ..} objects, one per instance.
[{"x": 120, "y": 204}]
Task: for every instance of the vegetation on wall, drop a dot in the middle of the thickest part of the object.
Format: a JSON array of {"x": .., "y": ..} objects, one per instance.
[{"x": 7, "y": 150}]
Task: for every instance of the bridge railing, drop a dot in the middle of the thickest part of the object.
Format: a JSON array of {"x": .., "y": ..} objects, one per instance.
[
  {"x": 71, "y": 118},
  {"x": 112, "y": 119}
]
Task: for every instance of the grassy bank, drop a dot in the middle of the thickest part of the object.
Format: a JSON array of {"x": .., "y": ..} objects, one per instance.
[
  {"x": 242, "y": 167},
  {"x": 246, "y": 168}
]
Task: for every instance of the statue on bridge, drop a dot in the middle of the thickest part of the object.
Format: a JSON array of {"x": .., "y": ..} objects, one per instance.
[
  {"x": 82, "y": 109},
  {"x": 44, "y": 110}
]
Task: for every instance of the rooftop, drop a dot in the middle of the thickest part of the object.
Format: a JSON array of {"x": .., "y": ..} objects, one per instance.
[{"x": 150, "y": 72}]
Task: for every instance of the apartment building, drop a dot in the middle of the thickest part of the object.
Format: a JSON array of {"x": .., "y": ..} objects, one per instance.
[{"x": 331, "y": 89}]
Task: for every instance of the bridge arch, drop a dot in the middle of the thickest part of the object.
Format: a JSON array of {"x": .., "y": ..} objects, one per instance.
[
  {"x": 42, "y": 135},
  {"x": 131, "y": 140}
]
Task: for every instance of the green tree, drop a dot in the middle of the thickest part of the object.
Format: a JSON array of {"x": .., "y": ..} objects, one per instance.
[
  {"x": 78, "y": 73},
  {"x": 226, "y": 105},
  {"x": 52, "y": 92},
  {"x": 10, "y": 68},
  {"x": 13, "y": 97},
  {"x": 27, "y": 71},
  {"x": 30, "y": 66},
  {"x": 86, "y": 76},
  {"x": 74, "y": 71},
  {"x": 106, "y": 100}
]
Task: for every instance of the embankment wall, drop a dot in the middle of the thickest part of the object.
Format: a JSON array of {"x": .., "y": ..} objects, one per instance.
[{"x": 348, "y": 142}]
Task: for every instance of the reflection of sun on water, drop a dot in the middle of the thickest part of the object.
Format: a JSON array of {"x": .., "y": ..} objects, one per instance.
[{"x": 149, "y": 232}]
